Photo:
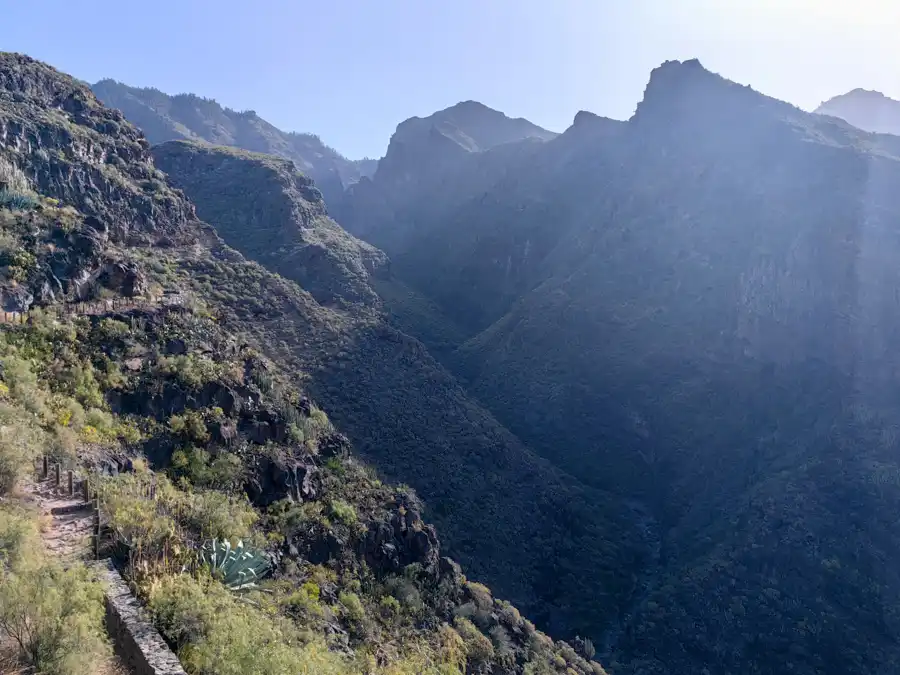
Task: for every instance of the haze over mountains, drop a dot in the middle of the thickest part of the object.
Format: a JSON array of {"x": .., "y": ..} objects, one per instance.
[
  {"x": 869, "y": 110},
  {"x": 186, "y": 116},
  {"x": 643, "y": 373}
]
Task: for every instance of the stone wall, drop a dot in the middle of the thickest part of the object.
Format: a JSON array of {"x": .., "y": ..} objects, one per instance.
[{"x": 136, "y": 641}]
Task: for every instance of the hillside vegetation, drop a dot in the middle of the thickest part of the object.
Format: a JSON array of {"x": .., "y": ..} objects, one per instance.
[{"x": 195, "y": 418}]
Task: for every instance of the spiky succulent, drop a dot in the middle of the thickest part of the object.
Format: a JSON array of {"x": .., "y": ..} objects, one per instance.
[
  {"x": 238, "y": 567},
  {"x": 16, "y": 201}
]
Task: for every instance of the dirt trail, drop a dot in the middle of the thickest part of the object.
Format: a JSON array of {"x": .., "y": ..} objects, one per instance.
[{"x": 67, "y": 522}]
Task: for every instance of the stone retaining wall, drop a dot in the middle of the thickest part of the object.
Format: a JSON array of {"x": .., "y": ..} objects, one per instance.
[{"x": 136, "y": 641}]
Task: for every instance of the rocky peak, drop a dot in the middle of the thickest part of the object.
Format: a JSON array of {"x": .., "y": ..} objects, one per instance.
[
  {"x": 24, "y": 78},
  {"x": 685, "y": 91},
  {"x": 471, "y": 125}
]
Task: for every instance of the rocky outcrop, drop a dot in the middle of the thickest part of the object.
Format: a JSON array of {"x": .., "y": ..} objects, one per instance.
[
  {"x": 273, "y": 479},
  {"x": 74, "y": 149},
  {"x": 390, "y": 546}
]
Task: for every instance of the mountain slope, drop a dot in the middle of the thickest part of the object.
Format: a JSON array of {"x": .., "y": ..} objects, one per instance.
[
  {"x": 399, "y": 406},
  {"x": 694, "y": 311},
  {"x": 868, "y": 110},
  {"x": 283, "y": 224},
  {"x": 186, "y": 116},
  {"x": 217, "y": 378}
]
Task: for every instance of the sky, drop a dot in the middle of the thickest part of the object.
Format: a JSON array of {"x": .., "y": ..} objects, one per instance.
[{"x": 351, "y": 70}]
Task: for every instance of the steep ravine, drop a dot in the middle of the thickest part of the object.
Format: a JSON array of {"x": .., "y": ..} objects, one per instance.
[{"x": 644, "y": 578}]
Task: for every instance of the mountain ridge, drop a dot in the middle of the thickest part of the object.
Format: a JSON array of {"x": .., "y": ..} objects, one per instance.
[{"x": 166, "y": 117}]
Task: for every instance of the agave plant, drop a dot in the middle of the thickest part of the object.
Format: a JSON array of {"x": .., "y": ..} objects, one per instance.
[
  {"x": 238, "y": 567},
  {"x": 16, "y": 201}
]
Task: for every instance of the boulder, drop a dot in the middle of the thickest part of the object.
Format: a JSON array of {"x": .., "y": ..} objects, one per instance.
[
  {"x": 124, "y": 278},
  {"x": 390, "y": 546},
  {"x": 274, "y": 479}
]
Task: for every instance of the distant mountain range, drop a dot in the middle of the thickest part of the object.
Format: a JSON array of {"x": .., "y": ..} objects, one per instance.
[
  {"x": 868, "y": 110},
  {"x": 164, "y": 117}
]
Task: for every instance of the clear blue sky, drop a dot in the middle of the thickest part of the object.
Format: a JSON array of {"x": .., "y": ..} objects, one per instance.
[{"x": 351, "y": 70}]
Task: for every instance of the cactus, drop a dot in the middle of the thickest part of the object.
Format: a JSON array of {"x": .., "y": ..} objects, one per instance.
[{"x": 238, "y": 567}]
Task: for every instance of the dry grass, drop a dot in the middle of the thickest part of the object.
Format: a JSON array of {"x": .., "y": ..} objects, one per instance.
[{"x": 10, "y": 664}]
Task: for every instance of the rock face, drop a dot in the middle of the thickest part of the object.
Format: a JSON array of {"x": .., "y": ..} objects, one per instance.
[
  {"x": 405, "y": 540},
  {"x": 74, "y": 149},
  {"x": 868, "y": 110},
  {"x": 189, "y": 117},
  {"x": 272, "y": 213}
]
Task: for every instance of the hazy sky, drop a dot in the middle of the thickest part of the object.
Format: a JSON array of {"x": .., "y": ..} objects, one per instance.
[{"x": 351, "y": 70}]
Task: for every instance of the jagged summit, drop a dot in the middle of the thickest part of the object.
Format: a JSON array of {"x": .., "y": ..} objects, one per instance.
[
  {"x": 686, "y": 88},
  {"x": 23, "y": 76}
]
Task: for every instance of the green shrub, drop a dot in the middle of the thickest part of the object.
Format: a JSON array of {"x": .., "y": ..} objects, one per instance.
[
  {"x": 217, "y": 635},
  {"x": 191, "y": 425},
  {"x": 18, "y": 537},
  {"x": 223, "y": 472},
  {"x": 351, "y": 607},
  {"x": 342, "y": 512},
  {"x": 478, "y": 647},
  {"x": 217, "y": 515},
  {"x": 21, "y": 442},
  {"x": 191, "y": 370},
  {"x": 54, "y": 616}
]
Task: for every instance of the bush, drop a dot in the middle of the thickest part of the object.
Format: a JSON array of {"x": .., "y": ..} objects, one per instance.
[
  {"x": 18, "y": 537},
  {"x": 21, "y": 442},
  {"x": 217, "y": 515},
  {"x": 478, "y": 647},
  {"x": 217, "y": 635},
  {"x": 54, "y": 616},
  {"x": 343, "y": 512}
]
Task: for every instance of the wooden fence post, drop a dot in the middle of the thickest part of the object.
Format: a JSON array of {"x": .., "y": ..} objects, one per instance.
[
  {"x": 45, "y": 468},
  {"x": 71, "y": 477},
  {"x": 56, "y": 470}
]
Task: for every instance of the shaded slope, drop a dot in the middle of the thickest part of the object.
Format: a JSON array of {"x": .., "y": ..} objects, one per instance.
[
  {"x": 707, "y": 325},
  {"x": 398, "y": 405}
]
